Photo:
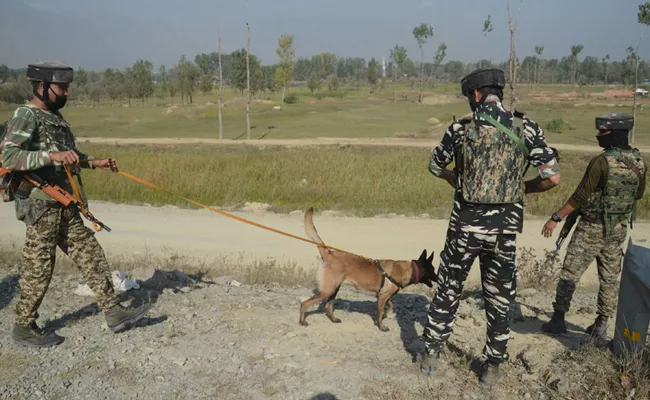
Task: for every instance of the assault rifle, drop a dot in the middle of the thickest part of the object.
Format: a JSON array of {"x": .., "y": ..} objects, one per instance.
[{"x": 25, "y": 180}]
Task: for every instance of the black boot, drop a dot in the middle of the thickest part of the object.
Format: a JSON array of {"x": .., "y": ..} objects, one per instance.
[
  {"x": 490, "y": 375},
  {"x": 34, "y": 336},
  {"x": 556, "y": 325}
]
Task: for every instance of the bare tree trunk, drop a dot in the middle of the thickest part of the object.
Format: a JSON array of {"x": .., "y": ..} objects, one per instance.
[
  {"x": 636, "y": 81},
  {"x": 220, "y": 101},
  {"x": 248, "y": 83},
  {"x": 284, "y": 87},
  {"x": 636, "y": 84},
  {"x": 513, "y": 58},
  {"x": 421, "y": 75}
]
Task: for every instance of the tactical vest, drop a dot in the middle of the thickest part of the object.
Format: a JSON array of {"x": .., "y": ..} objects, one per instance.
[
  {"x": 491, "y": 164},
  {"x": 615, "y": 202}
]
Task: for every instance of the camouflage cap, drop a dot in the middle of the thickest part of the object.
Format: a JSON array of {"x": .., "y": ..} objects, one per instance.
[
  {"x": 615, "y": 122},
  {"x": 482, "y": 77},
  {"x": 49, "y": 71}
]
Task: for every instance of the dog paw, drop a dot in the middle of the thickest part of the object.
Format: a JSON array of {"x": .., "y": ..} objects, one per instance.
[
  {"x": 303, "y": 323},
  {"x": 384, "y": 328},
  {"x": 336, "y": 321}
]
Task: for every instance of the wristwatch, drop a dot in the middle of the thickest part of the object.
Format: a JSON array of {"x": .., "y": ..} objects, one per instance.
[{"x": 556, "y": 217}]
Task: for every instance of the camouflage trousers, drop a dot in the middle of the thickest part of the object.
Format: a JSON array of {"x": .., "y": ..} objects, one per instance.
[
  {"x": 63, "y": 228},
  {"x": 589, "y": 242},
  {"x": 498, "y": 276}
]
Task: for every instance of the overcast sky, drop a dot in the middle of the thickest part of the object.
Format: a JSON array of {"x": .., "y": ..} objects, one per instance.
[{"x": 97, "y": 34}]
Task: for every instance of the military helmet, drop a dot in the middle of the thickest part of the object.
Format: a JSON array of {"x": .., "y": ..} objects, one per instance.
[
  {"x": 49, "y": 72},
  {"x": 482, "y": 77},
  {"x": 615, "y": 122}
]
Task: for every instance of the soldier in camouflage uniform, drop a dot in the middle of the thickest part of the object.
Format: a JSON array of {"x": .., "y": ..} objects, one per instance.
[
  {"x": 605, "y": 200},
  {"x": 38, "y": 139},
  {"x": 491, "y": 151}
]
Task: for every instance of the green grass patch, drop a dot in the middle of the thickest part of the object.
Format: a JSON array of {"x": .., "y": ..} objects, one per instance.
[{"x": 356, "y": 180}]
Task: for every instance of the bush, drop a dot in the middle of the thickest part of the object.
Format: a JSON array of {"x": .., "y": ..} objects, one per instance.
[
  {"x": 559, "y": 126},
  {"x": 291, "y": 98}
]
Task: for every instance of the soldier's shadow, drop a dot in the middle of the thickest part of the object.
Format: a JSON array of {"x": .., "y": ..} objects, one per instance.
[
  {"x": 8, "y": 289},
  {"x": 576, "y": 336},
  {"x": 149, "y": 292}
]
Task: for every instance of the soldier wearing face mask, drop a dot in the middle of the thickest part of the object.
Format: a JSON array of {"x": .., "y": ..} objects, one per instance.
[
  {"x": 39, "y": 141},
  {"x": 605, "y": 201}
]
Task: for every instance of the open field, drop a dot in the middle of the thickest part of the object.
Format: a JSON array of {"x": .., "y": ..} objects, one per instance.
[{"x": 359, "y": 113}]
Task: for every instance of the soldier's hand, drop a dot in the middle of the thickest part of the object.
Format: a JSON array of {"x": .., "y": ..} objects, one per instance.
[
  {"x": 107, "y": 164},
  {"x": 549, "y": 227},
  {"x": 65, "y": 157}
]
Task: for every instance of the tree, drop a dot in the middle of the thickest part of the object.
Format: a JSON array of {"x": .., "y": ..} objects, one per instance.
[
  {"x": 605, "y": 62},
  {"x": 487, "y": 28},
  {"x": 5, "y": 73},
  {"x": 283, "y": 73},
  {"x": 373, "y": 71},
  {"x": 487, "y": 25},
  {"x": 219, "y": 98},
  {"x": 314, "y": 82},
  {"x": 188, "y": 74},
  {"x": 422, "y": 33},
  {"x": 513, "y": 55},
  {"x": 575, "y": 50},
  {"x": 81, "y": 77},
  {"x": 237, "y": 71},
  {"x": 141, "y": 76},
  {"x": 207, "y": 80},
  {"x": 441, "y": 53},
  {"x": 248, "y": 81},
  {"x": 643, "y": 17},
  {"x": 164, "y": 80},
  {"x": 398, "y": 55},
  {"x": 538, "y": 51},
  {"x": 333, "y": 84}
]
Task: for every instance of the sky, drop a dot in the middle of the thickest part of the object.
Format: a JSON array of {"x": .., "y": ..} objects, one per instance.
[{"x": 97, "y": 34}]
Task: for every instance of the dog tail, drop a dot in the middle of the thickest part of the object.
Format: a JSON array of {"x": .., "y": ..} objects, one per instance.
[{"x": 313, "y": 234}]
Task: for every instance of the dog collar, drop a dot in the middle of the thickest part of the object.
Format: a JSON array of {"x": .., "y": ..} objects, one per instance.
[{"x": 416, "y": 272}]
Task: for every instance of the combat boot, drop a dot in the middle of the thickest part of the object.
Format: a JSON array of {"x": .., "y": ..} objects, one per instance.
[
  {"x": 428, "y": 363},
  {"x": 598, "y": 330},
  {"x": 556, "y": 325},
  {"x": 119, "y": 318},
  {"x": 34, "y": 336},
  {"x": 490, "y": 375}
]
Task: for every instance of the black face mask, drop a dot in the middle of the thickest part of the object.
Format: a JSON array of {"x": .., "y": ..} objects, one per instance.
[
  {"x": 613, "y": 139},
  {"x": 58, "y": 103}
]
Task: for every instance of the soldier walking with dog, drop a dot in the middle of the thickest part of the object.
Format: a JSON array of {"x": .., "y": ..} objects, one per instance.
[
  {"x": 39, "y": 142},
  {"x": 605, "y": 201},
  {"x": 491, "y": 150}
]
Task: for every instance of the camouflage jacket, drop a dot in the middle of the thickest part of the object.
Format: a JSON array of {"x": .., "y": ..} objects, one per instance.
[
  {"x": 31, "y": 134},
  {"x": 491, "y": 218}
]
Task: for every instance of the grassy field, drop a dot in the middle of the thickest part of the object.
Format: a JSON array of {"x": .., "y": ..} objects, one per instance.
[
  {"x": 363, "y": 181},
  {"x": 357, "y": 180},
  {"x": 358, "y": 113}
]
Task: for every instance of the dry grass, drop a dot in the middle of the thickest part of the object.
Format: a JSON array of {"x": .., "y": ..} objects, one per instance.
[
  {"x": 540, "y": 273},
  {"x": 363, "y": 181},
  {"x": 593, "y": 373}
]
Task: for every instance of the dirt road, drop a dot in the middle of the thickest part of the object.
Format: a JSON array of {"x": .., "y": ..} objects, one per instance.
[
  {"x": 205, "y": 236},
  {"x": 320, "y": 141}
]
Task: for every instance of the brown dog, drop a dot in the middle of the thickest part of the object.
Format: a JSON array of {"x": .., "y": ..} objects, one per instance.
[{"x": 381, "y": 277}]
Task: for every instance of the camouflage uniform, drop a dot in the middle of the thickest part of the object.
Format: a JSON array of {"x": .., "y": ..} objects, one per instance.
[
  {"x": 31, "y": 134},
  {"x": 602, "y": 229},
  {"x": 487, "y": 230}
]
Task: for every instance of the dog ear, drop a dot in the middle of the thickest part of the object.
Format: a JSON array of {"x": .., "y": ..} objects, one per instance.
[
  {"x": 423, "y": 256},
  {"x": 430, "y": 259}
]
